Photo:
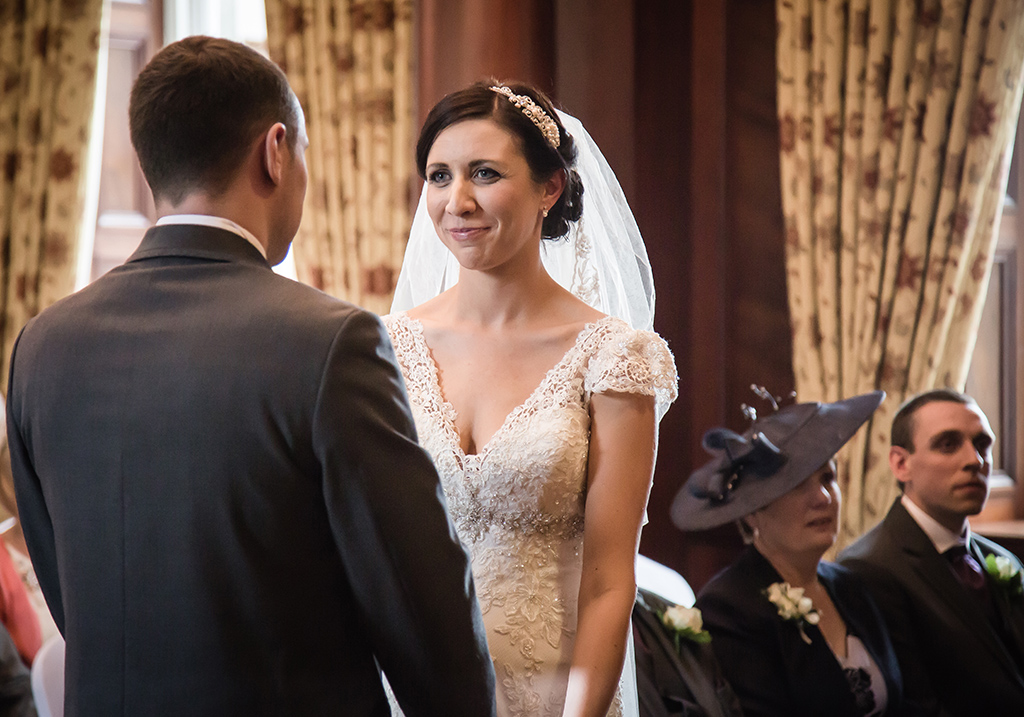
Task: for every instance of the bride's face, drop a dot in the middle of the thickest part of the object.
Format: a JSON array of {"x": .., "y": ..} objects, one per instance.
[{"x": 484, "y": 203}]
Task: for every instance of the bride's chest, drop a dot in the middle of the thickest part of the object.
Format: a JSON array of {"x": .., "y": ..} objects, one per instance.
[
  {"x": 487, "y": 382},
  {"x": 530, "y": 477}
]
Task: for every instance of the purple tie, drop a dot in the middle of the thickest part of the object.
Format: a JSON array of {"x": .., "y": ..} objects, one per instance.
[{"x": 968, "y": 571}]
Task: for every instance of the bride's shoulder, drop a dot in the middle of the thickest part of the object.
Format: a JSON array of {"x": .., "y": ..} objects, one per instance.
[
  {"x": 432, "y": 311},
  {"x": 395, "y": 321},
  {"x": 404, "y": 332},
  {"x": 630, "y": 360}
]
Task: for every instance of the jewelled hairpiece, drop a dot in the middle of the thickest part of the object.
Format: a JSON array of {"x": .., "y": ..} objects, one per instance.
[{"x": 534, "y": 113}]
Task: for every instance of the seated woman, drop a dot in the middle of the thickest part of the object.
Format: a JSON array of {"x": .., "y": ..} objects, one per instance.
[{"x": 795, "y": 635}]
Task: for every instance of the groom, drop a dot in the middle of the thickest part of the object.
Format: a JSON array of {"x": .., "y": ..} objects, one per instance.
[{"x": 216, "y": 466}]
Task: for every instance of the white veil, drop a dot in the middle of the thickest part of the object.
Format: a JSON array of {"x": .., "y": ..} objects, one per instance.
[{"x": 602, "y": 260}]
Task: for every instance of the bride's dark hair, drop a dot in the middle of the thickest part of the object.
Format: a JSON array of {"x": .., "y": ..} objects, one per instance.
[{"x": 479, "y": 101}]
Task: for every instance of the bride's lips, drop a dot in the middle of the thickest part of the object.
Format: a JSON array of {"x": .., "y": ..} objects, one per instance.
[{"x": 464, "y": 233}]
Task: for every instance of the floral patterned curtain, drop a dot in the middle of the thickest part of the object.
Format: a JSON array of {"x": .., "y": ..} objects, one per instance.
[
  {"x": 897, "y": 120},
  {"x": 49, "y": 51},
  {"x": 350, "y": 64}
]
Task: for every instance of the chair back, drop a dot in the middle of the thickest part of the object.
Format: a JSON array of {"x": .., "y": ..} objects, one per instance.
[
  {"x": 48, "y": 678},
  {"x": 664, "y": 581}
]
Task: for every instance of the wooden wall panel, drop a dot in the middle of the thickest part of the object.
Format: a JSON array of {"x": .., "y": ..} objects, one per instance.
[
  {"x": 759, "y": 340},
  {"x": 462, "y": 41},
  {"x": 595, "y": 76}
]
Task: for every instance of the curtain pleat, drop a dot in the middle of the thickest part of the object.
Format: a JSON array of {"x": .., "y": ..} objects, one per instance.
[
  {"x": 350, "y": 66},
  {"x": 897, "y": 121},
  {"x": 49, "y": 51}
]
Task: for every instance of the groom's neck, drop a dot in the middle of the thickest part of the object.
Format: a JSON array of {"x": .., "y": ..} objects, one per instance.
[{"x": 246, "y": 211}]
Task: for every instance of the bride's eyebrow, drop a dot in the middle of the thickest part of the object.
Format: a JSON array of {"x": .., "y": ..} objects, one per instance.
[{"x": 474, "y": 164}]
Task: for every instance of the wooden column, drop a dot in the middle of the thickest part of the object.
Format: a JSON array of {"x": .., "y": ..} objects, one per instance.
[
  {"x": 462, "y": 41},
  {"x": 709, "y": 204},
  {"x": 595, "y": 80}
]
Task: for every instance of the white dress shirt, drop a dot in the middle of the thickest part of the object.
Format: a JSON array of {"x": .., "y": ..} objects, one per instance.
[
  {"x": 209, "y": 221},
  {"x": 942, "y": 537}
]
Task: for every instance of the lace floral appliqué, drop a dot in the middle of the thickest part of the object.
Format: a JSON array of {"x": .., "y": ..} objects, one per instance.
[{"x": 518, "y": 504}]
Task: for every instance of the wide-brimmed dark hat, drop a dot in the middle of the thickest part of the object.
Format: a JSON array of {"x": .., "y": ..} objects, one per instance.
[{"x": 775, "y": 455}]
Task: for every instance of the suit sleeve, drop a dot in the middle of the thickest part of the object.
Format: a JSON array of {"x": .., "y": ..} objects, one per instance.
[
  {"x": 896, "y": 608},
  {"x": 406, "y": 567},
  {"x": 33, "y": 513}
]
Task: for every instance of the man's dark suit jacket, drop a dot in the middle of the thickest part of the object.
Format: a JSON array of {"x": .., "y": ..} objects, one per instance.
[
  {"x": 224, "y": 500},
  {"x": 952, "y": 658},
  {"x": 676, "y": 683},
  {"x": 770, "y": 667}
]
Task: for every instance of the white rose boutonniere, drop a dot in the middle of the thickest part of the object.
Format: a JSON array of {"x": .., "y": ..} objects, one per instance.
[
  {"x": 1004, "y": 575},
  {"x": 793, "y": 606},
  {"x": 684, "y": 622}
]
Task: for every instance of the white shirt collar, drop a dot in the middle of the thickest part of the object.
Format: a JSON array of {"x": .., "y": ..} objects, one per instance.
[
  {"x": 942, "y": 537},
  {"x": 217, "y": 222}
]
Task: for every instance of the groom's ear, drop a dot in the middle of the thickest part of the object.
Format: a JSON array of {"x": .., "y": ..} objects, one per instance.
[{"x": 275, "y": 146}]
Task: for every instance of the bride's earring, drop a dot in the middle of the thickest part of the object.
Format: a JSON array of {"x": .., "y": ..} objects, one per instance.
[{"x": 545, "y": 213}]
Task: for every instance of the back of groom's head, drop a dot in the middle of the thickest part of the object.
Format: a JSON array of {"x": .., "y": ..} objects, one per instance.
[{"x": 196, "y": 109}]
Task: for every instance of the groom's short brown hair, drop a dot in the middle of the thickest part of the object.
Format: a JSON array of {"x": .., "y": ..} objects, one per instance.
[{"x": 197, "y": 107}]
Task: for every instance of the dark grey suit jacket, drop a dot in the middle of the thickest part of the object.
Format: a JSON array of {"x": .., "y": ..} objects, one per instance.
[
  {"x": 773, "y": 671},
  {"x": 224, "y": 500},
  {"x": 687, "y": 682},
  {"x": 953, "y": 660}
]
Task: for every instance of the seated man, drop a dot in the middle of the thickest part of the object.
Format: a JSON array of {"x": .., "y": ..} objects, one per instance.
[{"x": 957, "y": 627}]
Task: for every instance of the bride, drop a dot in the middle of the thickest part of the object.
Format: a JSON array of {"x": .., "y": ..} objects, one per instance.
[{"x": 540, "y": 410}]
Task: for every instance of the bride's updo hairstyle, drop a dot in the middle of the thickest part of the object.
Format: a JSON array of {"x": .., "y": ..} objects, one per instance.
[{"x": 479, "y": 101}]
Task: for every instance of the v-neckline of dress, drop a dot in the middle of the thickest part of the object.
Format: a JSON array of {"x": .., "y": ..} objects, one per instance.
[{"x": 448, "y": 412}]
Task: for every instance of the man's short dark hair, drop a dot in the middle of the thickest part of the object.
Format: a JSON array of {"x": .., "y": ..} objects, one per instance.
[
  {"x": 196, "y": 109},
  {"x": 903, "y": 423}
]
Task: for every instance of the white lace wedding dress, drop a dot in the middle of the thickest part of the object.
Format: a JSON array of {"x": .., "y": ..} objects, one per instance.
[{"x": 518, "y": 503}]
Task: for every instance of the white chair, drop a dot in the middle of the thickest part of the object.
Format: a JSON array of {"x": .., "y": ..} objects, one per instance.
[
  {"x": 663, "y": 581},
  {"x": 48, "y": 678}
]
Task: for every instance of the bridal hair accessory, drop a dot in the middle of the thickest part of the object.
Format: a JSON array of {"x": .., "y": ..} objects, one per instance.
[
  {"x": 602, "y": 260},
  {"x": 534, "y": 113},
  {"x": 772, "y": 457},
  {"x": 793, "y": 606}
]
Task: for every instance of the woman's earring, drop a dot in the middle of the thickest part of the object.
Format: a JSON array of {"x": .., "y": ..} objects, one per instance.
[{"x": 545, "y": 213}]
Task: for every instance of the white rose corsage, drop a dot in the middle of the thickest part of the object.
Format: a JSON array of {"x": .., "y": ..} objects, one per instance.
[
  {"x": 684, "y": 622},
  {"x": 1004, "y": 575},
  {"x": 793, "y": 606}
]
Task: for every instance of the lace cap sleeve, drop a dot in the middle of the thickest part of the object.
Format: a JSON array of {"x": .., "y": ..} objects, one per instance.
[
  {"x": 402, "y": 339},
  {"x": 632, "y": 361},
  {"x": 397, "y": 328}
]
